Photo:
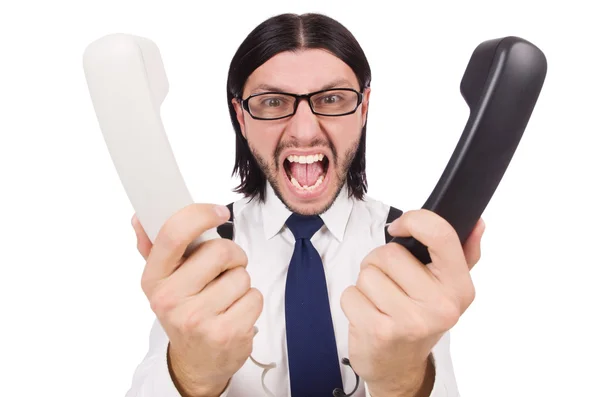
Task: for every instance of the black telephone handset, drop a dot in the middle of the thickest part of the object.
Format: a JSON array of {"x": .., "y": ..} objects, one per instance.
[{"x": 501, "y": 85}]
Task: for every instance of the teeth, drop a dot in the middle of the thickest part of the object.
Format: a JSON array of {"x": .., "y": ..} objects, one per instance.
[
  {"x": 309, "y": 188},
  {"x": 305, "y": 159}
]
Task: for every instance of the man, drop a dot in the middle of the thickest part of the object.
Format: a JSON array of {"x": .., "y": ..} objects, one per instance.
[{"x": 316, "y": 296}]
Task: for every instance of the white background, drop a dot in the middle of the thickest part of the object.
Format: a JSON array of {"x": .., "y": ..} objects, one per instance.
[{"x": 74, "y": 320}]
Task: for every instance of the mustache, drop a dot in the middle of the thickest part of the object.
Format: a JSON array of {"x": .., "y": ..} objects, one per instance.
[{"x": 317, "y": 142}]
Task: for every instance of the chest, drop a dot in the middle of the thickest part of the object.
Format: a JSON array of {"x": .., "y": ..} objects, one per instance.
[{"x": 268, "y": 261}]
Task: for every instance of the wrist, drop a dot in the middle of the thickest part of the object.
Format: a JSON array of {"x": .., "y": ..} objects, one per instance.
[
  {"x": 414, "y": 382},
  {"x": 190, "y": 386}
]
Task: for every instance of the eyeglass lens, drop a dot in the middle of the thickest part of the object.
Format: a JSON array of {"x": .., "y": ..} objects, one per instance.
[{"x": 275, "y": 105}]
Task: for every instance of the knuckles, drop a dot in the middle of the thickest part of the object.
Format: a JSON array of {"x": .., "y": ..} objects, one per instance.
[
  {"x": 222, "y": 249},
  {"x": 257, "y": 299},
  {"x": 345, "y": 298},
  {"x": 467, "y": 294},
  {"x": 366, "y": 277},
  {"x": 192, "y": 323},
  {"x": 417, "y": 330},
  {"x": 382, "y": 256},
  {"x": 225, "y": 250},
  {"x": 448, "y": 312},
  {"x": 389, "y": 253},
  {"x": 221, "y": 333},
  {"x": 162, "y": 300},
  {"x": 388, "y": 331},
  {"x": 385, "y": 331},
  {"x": 171, "y": 237},
  {"x": 414, "y": 327},
  {"x": 240, "y": 279},
  {"x": 145, "y": 284},
  {"x": 237, "y": 281}
]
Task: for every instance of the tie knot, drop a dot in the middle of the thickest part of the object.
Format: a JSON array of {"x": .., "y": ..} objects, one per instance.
[{"x": 304, "y": 226}]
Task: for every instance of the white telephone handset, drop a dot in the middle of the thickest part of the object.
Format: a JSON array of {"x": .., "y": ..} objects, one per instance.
[{"x": 128, "y": 84}]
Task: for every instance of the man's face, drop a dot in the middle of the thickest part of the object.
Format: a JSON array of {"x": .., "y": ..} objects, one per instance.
[{"x": 305, "y": 157}]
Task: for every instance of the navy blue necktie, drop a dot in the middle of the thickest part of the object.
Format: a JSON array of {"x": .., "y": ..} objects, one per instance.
[{"x": 314, "y": 366}]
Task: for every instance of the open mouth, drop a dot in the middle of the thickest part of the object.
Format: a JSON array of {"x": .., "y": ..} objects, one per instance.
[{"x": 306, "y": 173}]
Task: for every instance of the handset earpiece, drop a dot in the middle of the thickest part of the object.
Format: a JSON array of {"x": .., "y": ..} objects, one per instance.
[
  {"x": 128, "y": 84},
  {"x": 501, "y": 86}
]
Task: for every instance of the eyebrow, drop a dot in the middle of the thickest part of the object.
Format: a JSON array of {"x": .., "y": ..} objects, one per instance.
[{"x": 340, "y": 83}]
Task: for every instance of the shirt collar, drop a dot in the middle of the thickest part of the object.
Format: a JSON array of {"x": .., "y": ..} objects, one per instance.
[{"x": 275, "y": 213}]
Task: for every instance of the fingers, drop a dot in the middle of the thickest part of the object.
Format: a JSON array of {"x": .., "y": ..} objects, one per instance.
[
  {"x": 244, "y": 312},
  {"x": 397, "y": 264},
  {"x": 358, "y": 308},
  {"x": 144, "y": 245},
  {"x": 191, "y": 319},
  {"x": 385, "y": 294},
  {"x": 229, "y": 290},
  {"x": 439, "y": 237},
  {"x": 211, "y": 264},
  {"x": 175, "y": 235},
  {"x": 224, "y": 290},
  {"x": 472, "y": 247}
]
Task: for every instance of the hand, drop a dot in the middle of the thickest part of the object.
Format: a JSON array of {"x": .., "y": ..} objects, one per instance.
[
  {"x": 400, "y": 308},
  {"x": 204, "y": 303}
]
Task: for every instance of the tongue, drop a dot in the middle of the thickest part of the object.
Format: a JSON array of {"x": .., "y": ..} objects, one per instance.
[{"x": 306, "y": 174}]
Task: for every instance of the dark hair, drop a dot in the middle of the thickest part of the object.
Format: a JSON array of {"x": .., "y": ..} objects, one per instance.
[{"x": 290, "y": 32}]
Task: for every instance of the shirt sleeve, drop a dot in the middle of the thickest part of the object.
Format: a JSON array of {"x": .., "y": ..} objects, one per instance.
[
  {"x": 445, "y": 381},
  {"x": 152, "y": 377}
]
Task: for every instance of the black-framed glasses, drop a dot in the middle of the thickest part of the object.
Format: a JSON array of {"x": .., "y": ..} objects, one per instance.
[{"x": 278, "y": 105}]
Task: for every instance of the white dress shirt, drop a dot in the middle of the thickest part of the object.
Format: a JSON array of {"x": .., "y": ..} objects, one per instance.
[{"x": 352, "y": 228}]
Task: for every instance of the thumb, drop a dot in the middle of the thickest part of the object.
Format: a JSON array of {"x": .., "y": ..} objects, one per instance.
[{"x": 144, "y": 245}]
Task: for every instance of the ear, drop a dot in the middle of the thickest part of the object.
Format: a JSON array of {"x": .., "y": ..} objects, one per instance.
[
  {"x": 240, "y": 115},
  {"x": 365, "y": 105}
]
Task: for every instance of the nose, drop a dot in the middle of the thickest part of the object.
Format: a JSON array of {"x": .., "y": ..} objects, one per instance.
[{"x": 304, "y": 126}]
